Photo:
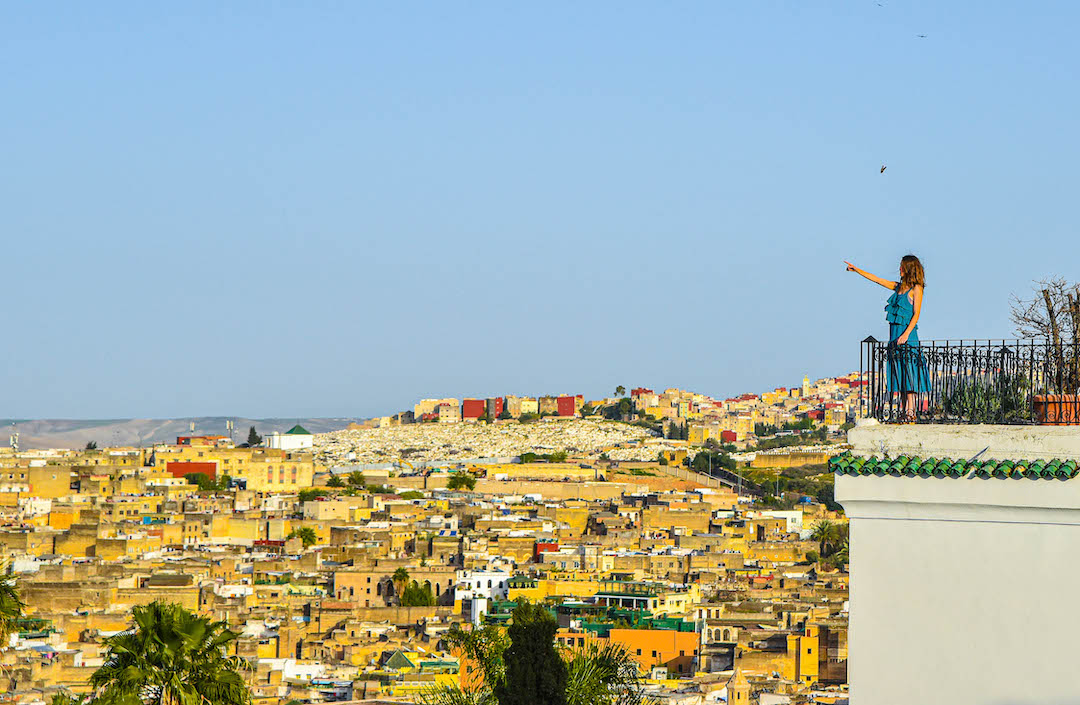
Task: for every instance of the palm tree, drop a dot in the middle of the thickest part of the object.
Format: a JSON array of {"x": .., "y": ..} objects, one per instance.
[
  {"x": 620, "y": 391},
  {"x": 841, "y": 555},
  {"x": 596, "y": 675},
  {"x": 400, "y": 579},
  {"x": 825, "y": 533},
  {"x": 171, "y": 656},
  {"x": 11, "y": 606},
  {"x": 64, "y": 697},
  {"x": 602, "y": 675}
]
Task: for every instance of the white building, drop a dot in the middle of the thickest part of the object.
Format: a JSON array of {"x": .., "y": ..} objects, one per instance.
[
  {"x": 296, "y": 438},
  {"x": 957, "y": 581},
  {"x": 476, "y": 589}
]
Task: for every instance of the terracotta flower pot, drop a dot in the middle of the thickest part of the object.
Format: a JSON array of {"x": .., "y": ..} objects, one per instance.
[{"x": 1057, "y": 409}]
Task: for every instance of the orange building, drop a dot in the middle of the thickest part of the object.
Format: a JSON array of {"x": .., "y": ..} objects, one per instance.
[{"x": 659, "y": 647}]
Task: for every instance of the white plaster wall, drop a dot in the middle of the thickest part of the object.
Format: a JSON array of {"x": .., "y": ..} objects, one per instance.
[
  {"x": 963, "y": 591},
  {"x": 959, "y": 441}
]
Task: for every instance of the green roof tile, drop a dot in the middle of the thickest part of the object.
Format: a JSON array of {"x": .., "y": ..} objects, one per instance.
[{"x": 904, "y": 466}]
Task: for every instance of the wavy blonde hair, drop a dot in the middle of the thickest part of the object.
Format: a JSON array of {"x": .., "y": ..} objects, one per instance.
[{"x": 911, "y": 272}]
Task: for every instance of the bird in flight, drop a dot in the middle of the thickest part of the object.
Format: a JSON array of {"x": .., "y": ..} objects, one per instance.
[
  {"x": 882, "y": 169},
  {"x": 921, "y": 36}
]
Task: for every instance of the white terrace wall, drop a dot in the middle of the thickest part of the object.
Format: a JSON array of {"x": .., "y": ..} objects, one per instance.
[{"x": 963, "y": 591}]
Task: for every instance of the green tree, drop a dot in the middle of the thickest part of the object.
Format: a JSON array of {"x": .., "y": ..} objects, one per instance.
[
  {"x": 335, "y": 481},
  {"x": 812, "y": 556},
  {"x": 505, "y": 415},
  {"x": 411, "y": 494},
  {"x": 602, "y": 675},
  {"x": 418, "y": 596},
  {"x": 356, "y": 479},
  {"x": 11, "y": 606},
  {"x": 826, "y": 496},
  {"x": 91, "y": 445},
  {"x": 535, "y": 673},
  {"x": 826, "y": 534},
  {"x": 841, "y": 555},
  {"x": 306, "y": 534},
  {"x": 170, "y": 656},
  {"x": 620, "y": 391},
  {"x": 461, "y": 480},
  {"x": 254, "y": 439},
  {"x": 310, "y": 494},
  {"x": 400, "y": 579},
  {"x": 484, "y": 647},
  {"x": 619, "y": 411},
  {"x": 64, "y": 697},
  {"x": 593, "y": 675},
  {"x": 587, "y": 410},
  {"x": 201, "y": 480}
]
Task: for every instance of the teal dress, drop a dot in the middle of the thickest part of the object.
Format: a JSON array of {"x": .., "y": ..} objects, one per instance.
[{"x": 907, "y": 365}]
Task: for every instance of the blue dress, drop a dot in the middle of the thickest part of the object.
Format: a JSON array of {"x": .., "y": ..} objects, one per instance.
[{"x": 907, "y": 365}]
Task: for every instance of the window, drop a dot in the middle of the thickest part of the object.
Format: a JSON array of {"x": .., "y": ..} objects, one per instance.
[
  {"x": 639, "y": 652},
  {"x": 809, "y": 651}
]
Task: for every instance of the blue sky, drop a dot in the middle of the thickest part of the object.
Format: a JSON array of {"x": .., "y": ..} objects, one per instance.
[{"x": 294, "y": 209}]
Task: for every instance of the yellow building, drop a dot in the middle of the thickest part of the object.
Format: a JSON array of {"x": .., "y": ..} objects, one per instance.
[
  {"x": 540, "y": 589},
  {"x": 263, "y": 469},
  {"x": 802, "y": 662}
]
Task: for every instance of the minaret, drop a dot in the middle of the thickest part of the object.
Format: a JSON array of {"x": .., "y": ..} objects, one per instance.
[
  {"x": 738, "y": 689},
  {"x": 806, "y": 386}
]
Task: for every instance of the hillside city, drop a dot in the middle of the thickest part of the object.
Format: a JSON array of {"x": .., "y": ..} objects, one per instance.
[{"x": 698, "y": 535}]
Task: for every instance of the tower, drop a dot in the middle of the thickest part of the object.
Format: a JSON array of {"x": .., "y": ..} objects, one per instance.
[{"x": 738, "y": 689}]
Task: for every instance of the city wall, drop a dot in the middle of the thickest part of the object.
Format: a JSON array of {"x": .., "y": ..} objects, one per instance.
[{"x": 790, "y": 460}]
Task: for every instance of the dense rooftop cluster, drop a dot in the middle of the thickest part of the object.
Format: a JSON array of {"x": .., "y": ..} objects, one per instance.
[{"x": 351, "y": 583}]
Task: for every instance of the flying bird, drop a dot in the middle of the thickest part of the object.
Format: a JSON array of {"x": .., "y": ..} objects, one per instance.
[
  {"x": 921, "y": 36},
  {"x": 882, "y": 169}
]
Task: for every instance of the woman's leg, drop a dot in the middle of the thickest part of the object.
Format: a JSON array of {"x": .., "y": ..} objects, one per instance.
[{"x": 909, "y": 406}]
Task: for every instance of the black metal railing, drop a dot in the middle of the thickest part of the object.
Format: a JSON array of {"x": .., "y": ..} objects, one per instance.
[{"x": 971, "y": 381}]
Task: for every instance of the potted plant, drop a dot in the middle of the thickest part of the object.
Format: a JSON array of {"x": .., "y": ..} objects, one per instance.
[{"x": 1054, "y": 315}]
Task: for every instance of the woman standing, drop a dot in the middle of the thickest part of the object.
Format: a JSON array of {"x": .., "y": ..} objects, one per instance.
[{"x": 907, "y": 366}]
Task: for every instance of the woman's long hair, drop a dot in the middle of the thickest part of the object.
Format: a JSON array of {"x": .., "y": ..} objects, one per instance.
[{"x": 911, "y": 273}]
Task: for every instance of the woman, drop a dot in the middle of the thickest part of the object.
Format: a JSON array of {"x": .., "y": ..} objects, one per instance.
[{"x": 907, "y": 366}]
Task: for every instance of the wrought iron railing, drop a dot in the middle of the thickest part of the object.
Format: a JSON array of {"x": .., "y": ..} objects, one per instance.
[{"x": 971, "y": 381}]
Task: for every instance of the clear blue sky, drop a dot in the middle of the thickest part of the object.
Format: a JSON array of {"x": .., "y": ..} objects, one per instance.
[{"x": 300, "y": 209}]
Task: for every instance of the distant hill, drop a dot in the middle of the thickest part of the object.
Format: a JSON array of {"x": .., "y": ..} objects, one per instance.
[{"x": 65, "y": 433}]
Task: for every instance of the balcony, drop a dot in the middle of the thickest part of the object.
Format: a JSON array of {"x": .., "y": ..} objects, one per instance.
[{"x": 1012, "y": 382}]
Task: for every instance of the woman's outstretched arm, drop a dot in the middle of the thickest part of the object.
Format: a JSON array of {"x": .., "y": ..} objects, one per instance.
[
  {"x": 916, "y": 302},
  {"x": 877, "y": 280}
]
